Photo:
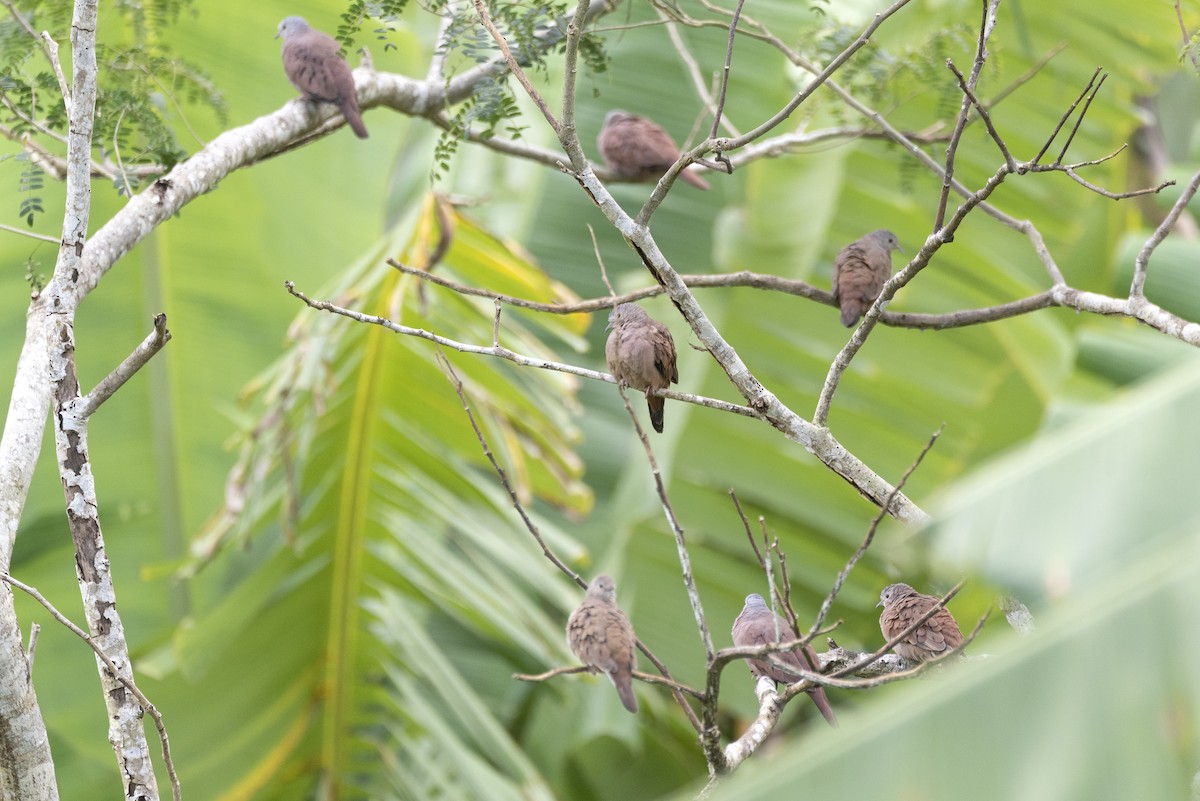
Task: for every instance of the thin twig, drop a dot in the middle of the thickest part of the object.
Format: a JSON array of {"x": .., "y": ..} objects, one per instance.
[
  {"x": 1028, "y": 75},
  {"x": 858, "y": 554},
  {"x": 960, "y": 122},
  {"x": 1079, "y": 120},
  {"x": 49, "y": 48},
  {"x": 1099, "y": 190},
  {"x": 437, "y": 63},
  {"x": 733, "y": 23},
  {"x": 530, "y": 526},
  {"x": 142, "y": 354},
  {"x": 514, "y": 67},
  {"x": 752, "y": 280},
  {"x": 1066, "y": 116},
  {"x": 785, "y": 581},
  {"x": 31, "y": 650},
  {"x": 509, "y": 147},
  {"x": 737, "y": 505},
  {"x": 547, "y": 551},
  {"x": 693, "y": 70},
  {"x": 612, "y": 293},
  {"x": 1142, "y": 262},
  {"x": 1193, "y": 56},
  {"x": 819, "y": 80},
  {"x": 770, "y": 576},
  {"x": 983, "y": 115},
  {"x": 505, "y": 353},
  {"x": 31, "y": 122},
  {"x": 725, "y": 144},
  {"x": 30, "y": 234},
  {"x": 685, "y": 562},
  {"x": 648, "y": 678},
  {"x": 20, "y": 20},
  {"x": 128, "y": 684}
]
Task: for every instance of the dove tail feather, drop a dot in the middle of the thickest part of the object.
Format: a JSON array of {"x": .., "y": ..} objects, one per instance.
[
  {"x": 624, "y": 684},
  {"x": 656, "y": 405},
  {"x": 822, "y": 701},
  {"x": 354, "y": 118}
]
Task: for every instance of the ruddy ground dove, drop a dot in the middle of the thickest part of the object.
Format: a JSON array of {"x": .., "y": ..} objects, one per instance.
[
  {"x": 315, "y": 66},
  {"x": 641, "y": 354},
  {"x": 758, "y": 625},
  {"x": 903, "y": 606},
  {"x": 638, "y": 149},
  {"x": 600, "y": 634},
  {"x": 860, "y": 271}
]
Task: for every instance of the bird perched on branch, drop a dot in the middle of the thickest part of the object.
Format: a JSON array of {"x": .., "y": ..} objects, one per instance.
[
  {"x": 860, "y": 271},
  {"x": 903, "y": 606},
  {"x": 600, "y": 634},
  {"x": 641, "y": 354},
  {"x": 638, "y": 149},
  {"x": 758, "y": 625},
  {"x": 314, "y": 64}
]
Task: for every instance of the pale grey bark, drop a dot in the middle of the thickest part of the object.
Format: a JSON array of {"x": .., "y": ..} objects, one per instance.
[{"x": 26, "y": 765}]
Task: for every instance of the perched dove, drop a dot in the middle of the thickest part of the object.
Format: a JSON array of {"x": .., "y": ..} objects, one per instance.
[
  {"x": 600, "y": 634},
  {"x": 638, "y": 149},
  {"x": 315, "y": 66},
  {"x": 758, "y": 625},
  {"x": 902, "y": 606},
  {"x": 641, "y": 354},
  {"x": 860, "y": 271}
]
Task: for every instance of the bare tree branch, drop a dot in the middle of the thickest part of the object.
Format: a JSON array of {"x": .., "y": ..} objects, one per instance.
[
  {"x": 485, "y": 19},
  {"x": 859, "y": 552},
  {"x": 504, "y": 353},
  {"x": 22, "y": 232},
  {"x": 114, "y": 671},
  {"x": 144, "y": 352},
  {"x": 685, "y": 562},
  {"x": 1142, "y": 262},
  {"x": 677, "y": 689},
  {"x": 648, "y": 678}
]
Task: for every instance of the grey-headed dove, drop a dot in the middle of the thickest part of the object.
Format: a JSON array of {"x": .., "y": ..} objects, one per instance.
[
  {"x": 638, "y": 149},
  {"x": 315, "y": 66},
  {"x": 902, "y": 606},
  {"x": 641, "y": 354},
  {"x": 860, "y": 271},
  {"x": 758, "y": 625},
  {"x": 600, "y": 634}
]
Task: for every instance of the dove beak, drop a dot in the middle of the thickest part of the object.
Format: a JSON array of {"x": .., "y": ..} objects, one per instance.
[{"x": 879, "y": 604}]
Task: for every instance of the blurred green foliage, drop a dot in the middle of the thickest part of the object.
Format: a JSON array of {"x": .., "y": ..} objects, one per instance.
[{"x": 324, "y": 584}]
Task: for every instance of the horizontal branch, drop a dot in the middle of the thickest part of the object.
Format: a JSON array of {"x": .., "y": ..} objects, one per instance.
[
  {"x": 501, "y": 352},
  {"x": 32, "y": 235},
  {"x": 648, "y": 678},
  {"x": 763, "y": 281}
]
